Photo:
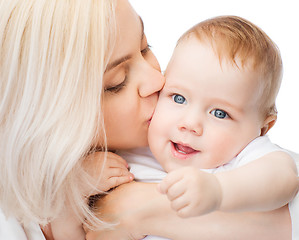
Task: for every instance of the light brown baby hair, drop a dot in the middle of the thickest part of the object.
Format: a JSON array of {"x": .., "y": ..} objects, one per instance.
[{"x": 234, "y": 37}]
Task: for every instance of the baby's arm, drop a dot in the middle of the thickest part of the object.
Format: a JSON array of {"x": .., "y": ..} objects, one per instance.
[
  {"x": 262, "y": 185},
  {"x": 113, "y": 172}
]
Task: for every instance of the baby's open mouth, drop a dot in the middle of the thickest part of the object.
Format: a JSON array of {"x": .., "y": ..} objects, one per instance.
[{"x": 183, "y": 149}]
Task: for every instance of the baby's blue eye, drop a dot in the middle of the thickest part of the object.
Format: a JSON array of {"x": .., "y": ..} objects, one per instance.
[
  {"x": 178, "y": 99},
  {"x": 219, "y": 113}
]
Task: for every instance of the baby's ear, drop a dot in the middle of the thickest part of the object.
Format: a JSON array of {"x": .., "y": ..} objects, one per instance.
[{"x": 268, "y": 124}]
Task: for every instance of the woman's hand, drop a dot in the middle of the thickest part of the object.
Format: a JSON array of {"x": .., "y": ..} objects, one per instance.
[
  {"x": 107, "y": 174},
  {"x": 125, "y": 206},
  {"x": 103, "y": 175}
]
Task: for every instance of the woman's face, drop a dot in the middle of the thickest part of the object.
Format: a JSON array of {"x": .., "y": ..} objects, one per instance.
[{"x": 131, "y": 83}]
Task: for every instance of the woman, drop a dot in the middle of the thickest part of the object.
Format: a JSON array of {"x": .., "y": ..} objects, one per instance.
[{"x": 53, "y": 57}]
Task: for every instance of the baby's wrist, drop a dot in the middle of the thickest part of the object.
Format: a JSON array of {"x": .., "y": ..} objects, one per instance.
[{"x": 218, "y": 193}]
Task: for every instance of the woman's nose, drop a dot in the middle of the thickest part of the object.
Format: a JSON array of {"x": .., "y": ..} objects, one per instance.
[{"x": 152, "y": 80}]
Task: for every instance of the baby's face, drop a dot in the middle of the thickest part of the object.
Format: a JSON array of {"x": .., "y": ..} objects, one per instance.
[{"x": 207, "y": 112}]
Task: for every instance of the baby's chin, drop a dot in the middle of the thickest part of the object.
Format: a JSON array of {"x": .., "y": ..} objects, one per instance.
[{"x": 169, "y": 166}]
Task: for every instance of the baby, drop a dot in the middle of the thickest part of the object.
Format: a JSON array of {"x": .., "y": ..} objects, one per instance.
[{"x": 217, "y": 104}]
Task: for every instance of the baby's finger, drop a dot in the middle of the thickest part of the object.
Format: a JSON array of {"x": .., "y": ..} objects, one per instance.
[
  {"x": 168, "y": 181},
  {"x": 176, "y": 190},
  {"x": 179, "y": 203},
  {"x": 186, "y": 211}
]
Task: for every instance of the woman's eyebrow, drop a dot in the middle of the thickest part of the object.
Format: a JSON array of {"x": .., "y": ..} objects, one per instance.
[
  {"x": 127, "y": 57},
  {"x": 142, "y": 28},
  {"x": 117, "y": 62}
]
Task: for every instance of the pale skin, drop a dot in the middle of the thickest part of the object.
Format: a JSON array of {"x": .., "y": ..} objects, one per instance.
[
  {"x": 131, "y": 84},
  {"x": 144, "y": 213},
  {"x": 113, "y": 172},
  {"x": 194, "y": 127},
  {"x": 193, "y": 192}
]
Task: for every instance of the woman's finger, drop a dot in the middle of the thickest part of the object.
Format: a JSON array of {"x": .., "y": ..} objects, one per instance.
[{"x": 116, "y": 181}]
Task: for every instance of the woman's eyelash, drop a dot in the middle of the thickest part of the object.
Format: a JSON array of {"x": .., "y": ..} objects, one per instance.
[
  {"x": 117, "y": 88},
  {"x": 145, "y": 50}
]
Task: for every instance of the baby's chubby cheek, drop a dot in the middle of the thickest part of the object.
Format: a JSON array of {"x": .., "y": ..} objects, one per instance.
[
  {"x": 151, "y": 134},
  {"x": 154, "y": 135}
]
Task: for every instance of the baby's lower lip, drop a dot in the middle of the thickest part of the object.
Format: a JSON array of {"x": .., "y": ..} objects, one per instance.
[{"x": 182, "y": 152}]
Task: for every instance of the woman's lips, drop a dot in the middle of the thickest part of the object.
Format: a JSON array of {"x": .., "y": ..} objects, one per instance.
[
  {"x": 182, "y": 151},
  {"x": 150, "y": 119}
]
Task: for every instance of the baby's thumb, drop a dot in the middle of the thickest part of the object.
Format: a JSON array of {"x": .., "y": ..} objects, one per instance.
[{"x": 161, "y": 187}]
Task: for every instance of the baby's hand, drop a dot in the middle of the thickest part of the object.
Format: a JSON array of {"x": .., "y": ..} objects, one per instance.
[
  {"x": 192, "y": 192},
  {"x": 107, "y": 174}
]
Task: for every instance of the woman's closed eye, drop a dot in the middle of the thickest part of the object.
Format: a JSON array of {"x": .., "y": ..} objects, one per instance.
[
  {"x": 116, "y": 88},
  {"x": 221, "y": 114},
  {"x": 145, "y": 50}
]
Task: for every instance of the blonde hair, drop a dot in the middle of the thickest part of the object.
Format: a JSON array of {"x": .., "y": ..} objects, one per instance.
[
  {"x": 233, "y": 37},
  {"x": 53, "y": 54}
]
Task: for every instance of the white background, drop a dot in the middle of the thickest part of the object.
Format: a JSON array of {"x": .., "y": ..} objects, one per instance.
[{"x": 166, "y": 20}]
